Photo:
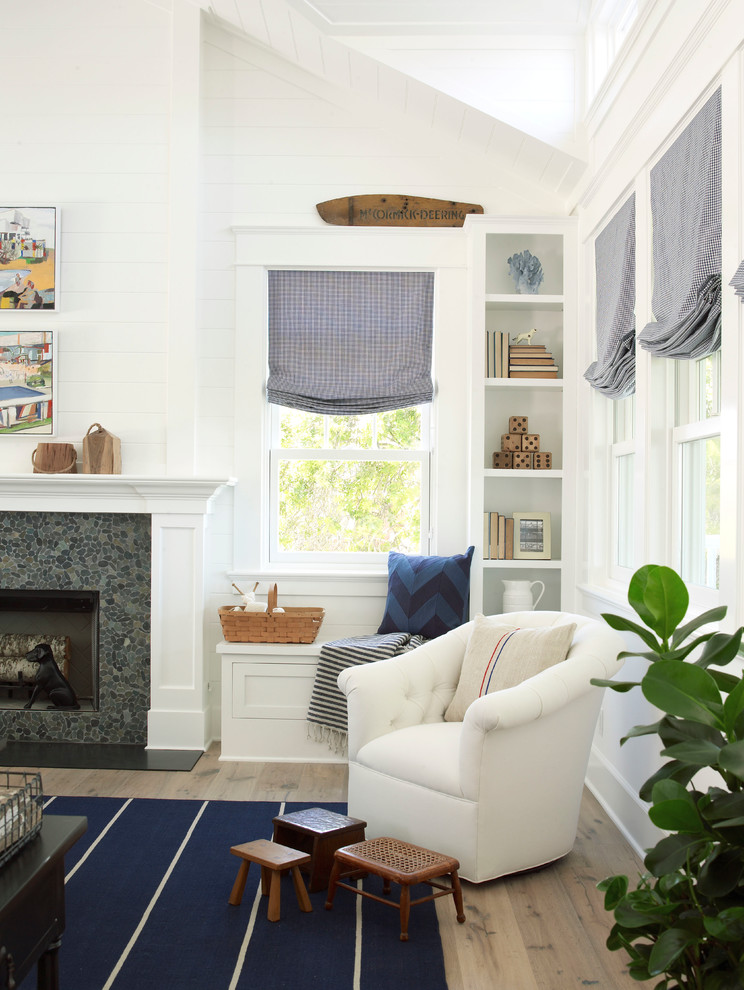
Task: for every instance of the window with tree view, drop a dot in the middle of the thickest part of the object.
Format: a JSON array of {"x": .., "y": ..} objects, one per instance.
[{"x": 349, "y": 485}]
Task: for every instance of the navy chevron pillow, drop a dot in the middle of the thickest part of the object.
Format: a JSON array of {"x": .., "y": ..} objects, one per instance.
[{"x": 427, "y": 596}]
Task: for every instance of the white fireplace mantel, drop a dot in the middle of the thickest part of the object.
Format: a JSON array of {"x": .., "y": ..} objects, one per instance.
[
  {"x": 178, "y": 717},
  {"x": 107, "y": 493}
]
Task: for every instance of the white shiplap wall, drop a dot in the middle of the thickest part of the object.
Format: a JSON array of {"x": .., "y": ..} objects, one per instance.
[{"x": 85, "y": 127}]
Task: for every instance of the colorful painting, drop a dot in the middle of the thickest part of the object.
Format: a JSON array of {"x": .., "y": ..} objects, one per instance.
[
  {"x": 27, "y": 382},
  {"x": 28, "y": 257}
]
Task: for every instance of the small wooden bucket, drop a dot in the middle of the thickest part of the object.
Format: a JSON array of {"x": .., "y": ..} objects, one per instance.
[{"x": 54, "y": 458}]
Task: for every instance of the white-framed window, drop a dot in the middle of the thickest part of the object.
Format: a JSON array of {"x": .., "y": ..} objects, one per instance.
[
  {"x": 696, "y": 439},
  {"x": 622, "y": 513},
  {"x": 348, "y": 489}
]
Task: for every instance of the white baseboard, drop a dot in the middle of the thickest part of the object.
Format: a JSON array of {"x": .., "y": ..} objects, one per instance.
[{"x": 621, "y": 804}]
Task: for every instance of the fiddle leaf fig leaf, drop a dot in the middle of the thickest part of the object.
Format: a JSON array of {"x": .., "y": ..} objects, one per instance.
[
  {"x": 681, "y": 772},
  {"x": 727, "y": 925},
  {"x": 720, "y": 649},
  {"x": 674, "y": 730},
  {"x": 672, "y": 853},
  {"x": 720, "y": 874},
  {"x": 621, "y": 624},
  {"x": 668, "y": 947},
  {"x": 641, "y": 730},
  {"x": 620, "y": 686},
  {"x": 659, "y": 596},
  {"x": 733, "y": 706},
  {"x": 676, "y": 816},
  {"x": 674, "y": 808},
  {"x": 731, "y": 759},
  {"x": 726, "y": 682},
  {"x": 614, "y": 888},
  {"x": 701, "y": 753},
  {"x": 684, "y": 690},
  {"x": 704, "y": 619}
]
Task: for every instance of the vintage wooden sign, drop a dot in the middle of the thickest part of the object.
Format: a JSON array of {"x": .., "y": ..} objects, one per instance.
[{"x": 395, "y": 211}]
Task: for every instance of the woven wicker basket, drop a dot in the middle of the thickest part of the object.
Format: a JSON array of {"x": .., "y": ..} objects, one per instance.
[
  {"x": 296, "y": 624},
  {"x": 21, "y": 800}
]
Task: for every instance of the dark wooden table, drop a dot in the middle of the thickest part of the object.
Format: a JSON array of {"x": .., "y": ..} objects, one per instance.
[{"x": 32, "y": 904}]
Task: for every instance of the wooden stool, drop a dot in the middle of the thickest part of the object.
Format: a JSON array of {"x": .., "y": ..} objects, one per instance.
[
  {"x": 398, "y": 862},
  {"x": 273, "y": 859},
  {"x": 320, "y": 833}
]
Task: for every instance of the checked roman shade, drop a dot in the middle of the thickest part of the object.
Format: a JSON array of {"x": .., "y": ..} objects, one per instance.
[
  {"x": 686, "y": 215},
  {"x": 350, "y": 342},
  {"x": 613, "y": 373},
  {"x": 738, "y": 281}
]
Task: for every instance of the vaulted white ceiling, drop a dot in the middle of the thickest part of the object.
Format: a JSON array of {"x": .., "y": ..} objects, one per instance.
[{"x": 494, "y": 79}]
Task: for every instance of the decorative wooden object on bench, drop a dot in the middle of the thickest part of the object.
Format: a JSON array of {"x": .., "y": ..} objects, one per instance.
[
  {"x": 401, "y": 863},
  {"x": 273, "y": 860},
  {"x": 295, "y": 624},
  {"x": 319, "y": 833},
  {"x": 15, "y": 669}
]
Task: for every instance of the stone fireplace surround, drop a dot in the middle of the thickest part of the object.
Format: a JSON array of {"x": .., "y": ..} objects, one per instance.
[{"x": 143, "y": 539}]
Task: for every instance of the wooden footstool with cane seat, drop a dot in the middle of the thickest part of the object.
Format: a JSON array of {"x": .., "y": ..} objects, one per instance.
[
  {"x": 318, "y": 832},
  {"x": 274, "y": 859},
  {"x": 396, "y": 862}
]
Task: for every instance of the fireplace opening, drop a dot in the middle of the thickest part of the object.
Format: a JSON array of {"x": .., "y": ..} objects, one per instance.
[{"x": 69, "y": 619}]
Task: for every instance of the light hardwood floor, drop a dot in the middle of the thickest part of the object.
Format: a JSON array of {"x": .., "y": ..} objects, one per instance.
[{"x": 543, "y": 930}]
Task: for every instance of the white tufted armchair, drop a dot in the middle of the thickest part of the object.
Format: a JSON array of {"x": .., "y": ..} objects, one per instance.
[{"x": 501, "y": 790}]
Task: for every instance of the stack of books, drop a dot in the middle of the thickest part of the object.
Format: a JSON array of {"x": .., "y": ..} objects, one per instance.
[
  {"x": 498, "y": 536},
  {"x": 531, "y": 361},
  {"x": 497, "y": 354}
]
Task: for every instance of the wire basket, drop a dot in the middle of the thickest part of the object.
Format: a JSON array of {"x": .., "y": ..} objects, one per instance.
[
  {"x": 21, "y": 801},
  {"x": 296, "y": 624}
]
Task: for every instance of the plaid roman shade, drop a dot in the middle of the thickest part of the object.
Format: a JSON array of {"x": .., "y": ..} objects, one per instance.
[
  {"x": 686, "y": 214},
  {"x": 349, "y": 342},
  {"x": 613, "y": 373}
]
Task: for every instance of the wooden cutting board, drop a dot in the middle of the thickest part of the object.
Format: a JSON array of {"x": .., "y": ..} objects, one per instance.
[{"x": 395, "y": 211}]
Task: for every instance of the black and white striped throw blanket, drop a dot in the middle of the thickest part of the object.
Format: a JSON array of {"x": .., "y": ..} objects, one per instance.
[{"x": 327, "y": 716}]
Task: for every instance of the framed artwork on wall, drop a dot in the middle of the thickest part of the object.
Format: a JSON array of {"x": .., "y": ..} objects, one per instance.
[
  {"x": 532, "y": 536},
  {"x": 29, "y": 260},
  {"x": 27, "y": 382}
]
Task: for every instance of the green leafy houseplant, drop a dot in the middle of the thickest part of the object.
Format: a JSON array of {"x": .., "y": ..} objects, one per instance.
[{"x": 684, "y": 922}]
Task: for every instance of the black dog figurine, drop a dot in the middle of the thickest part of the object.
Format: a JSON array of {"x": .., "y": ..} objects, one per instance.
[{"x": 50, "y": 679}]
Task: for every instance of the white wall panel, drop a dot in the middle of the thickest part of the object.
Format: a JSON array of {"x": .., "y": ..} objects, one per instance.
[
  {"x": 110, "y": 366},
  {"x": 140, "y": 338}
]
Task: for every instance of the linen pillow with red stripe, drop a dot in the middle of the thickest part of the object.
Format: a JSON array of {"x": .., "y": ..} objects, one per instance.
[{"x": 500, "y": 656}]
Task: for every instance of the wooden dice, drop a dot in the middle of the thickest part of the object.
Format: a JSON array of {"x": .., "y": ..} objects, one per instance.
[
  {"x": 542, "y": 460},
  {"x": 531, "y": 441},
  {"x": 502, "y": 458},
  {"x": 518, "y": 424},
  {"x": 511, "y": 441},
  {"x": 522, "y": 461}
]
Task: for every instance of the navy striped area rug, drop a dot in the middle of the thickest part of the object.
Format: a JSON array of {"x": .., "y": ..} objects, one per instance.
[{"x": 147, "y": 893}]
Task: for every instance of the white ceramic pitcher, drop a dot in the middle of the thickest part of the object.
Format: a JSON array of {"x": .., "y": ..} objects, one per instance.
[{"x": 518, "y": 596}]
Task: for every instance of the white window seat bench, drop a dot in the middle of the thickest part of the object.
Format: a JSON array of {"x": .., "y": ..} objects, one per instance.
[{"x": 266, "y": 689}]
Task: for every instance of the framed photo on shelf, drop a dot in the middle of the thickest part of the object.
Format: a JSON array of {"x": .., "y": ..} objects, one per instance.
[
  {"x": 27, "y": 382},
  {"x": 532, "y": 536},
  {"x": 29, "y": 259}
]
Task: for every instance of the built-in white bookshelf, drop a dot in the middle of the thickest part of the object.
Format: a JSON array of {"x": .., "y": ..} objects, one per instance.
[{"x": 548, "y": 403}]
